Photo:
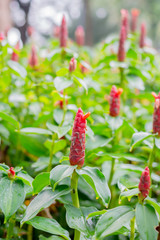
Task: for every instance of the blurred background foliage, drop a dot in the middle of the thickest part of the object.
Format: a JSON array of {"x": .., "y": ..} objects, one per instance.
[{"x": 99, "y": 17}]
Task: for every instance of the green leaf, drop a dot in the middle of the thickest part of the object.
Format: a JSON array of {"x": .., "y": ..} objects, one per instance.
[
  {"x": 25, "y": 177},
  {"x": 113, "y": 220},
  {"x": 114, "y": 122},
  {"x": 97, "y": 213},
  {"x": 61, "y": 83},
  {"x": 12, "y": 195},
  {"x": 62, "y": 72},
  {"x": 49, "y": 225},
  {"x": 43, "y": 200},
  {"x": 50, "y": 238},
  {"x": 9, "y": 119},
  {"x": 31, "y": 130},
  {"x": 82, "y": 83},
  {"x": 97, "y": 181},
  {"x": 61, "y": 131},
  {"x": 58, "y": 145},
  {"x": 41, "y": 181},
  {"x": 129, "y": 194},
  {"x": 146, "y": 221},
  {"x": 59, "y": 173},
  {"x": 17, "y": 68},
  {"x": 154, "y": 204},
  {"x": 138, "y": 137},
  {"x": 77, "y": 219}
]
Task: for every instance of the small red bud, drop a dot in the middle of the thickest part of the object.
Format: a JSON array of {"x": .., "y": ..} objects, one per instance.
[
  {"x": 156, "y": 114},
  {"x": 2, "y": 36},
  {"x": 135, "y": 13},
  {"x": 30, "y": 31},
  {"x": 124, "y": 21},
  {"x": 72, "y": 64},
  {"x": 114, "y": 101},
  {"x": 11, "y": 173},
  {"x": 144, "y": 184},
  {"x": 63, "y": 33},
  {"x": 33, "y": 59},
  {"x": 77, "y": 150},
  {"x": 80, "y": 35},
  {"x": 15, "y": 56},
  {"x": 142, "y": 35},
  {"x": 121, "y": 48}
]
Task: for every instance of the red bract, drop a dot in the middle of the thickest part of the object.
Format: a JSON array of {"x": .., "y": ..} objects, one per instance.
[
  {"x": 63, "y": 33},
  {"x": 77, "y": 151},
  {"x": 15, "y": 56},
  {"x": 114, "y": 101},
  {"x": 124, "y": 19},
  {"x": 30, "y": 31},
  {"x": 11, "y": 173},
  {"x": 72, "y": 64},
  {"x": 142, "y": 35},
  {"x": 144, "y": 184},
  {"x": 2, "y": 36},
  {"x": 56, "y": 31},
  {"x": 156, "y": 114},
  {"x": 80, "y": 35},
  {"x": 121, "y": 49},
  {"x": 135, "y": 13},
  {"x": 33, "y": 59}
]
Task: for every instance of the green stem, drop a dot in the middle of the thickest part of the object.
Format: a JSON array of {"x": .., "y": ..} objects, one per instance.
[
  {"x": 64, "y": 108},
  {"x": 11, "y": 223},
  {"x": 30, "y": 231},
  {"x": 152, "y": 157},
  {"x": 111, "y": 173},
  {"x": 121, "y": 77},
  {"x": 132, "y": 228},
  {"x": 75, "y": 199},
  {"x": 51, "y": 154}
]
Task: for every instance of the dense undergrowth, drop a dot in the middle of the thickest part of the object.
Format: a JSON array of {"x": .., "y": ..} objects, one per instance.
[{"x": 41, "y": 90}]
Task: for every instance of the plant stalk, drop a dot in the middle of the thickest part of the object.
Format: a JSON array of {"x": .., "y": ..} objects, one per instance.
[
  {"x": 51, "y": 154},
  {"x": 30, "y": 231},
  {"x": 11, "y": 223},
  {"x": 152, "y": 157},
  {"x": 132, "y": 228},
  {"x": 75, "y": 199},
  {"x": 111, "y": 173}
]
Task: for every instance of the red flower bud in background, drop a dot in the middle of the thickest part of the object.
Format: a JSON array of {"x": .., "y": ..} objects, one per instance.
[
  {"x": 77, "y": 151},
  {"x": 144, "y": 184},
  {"x": 156, "y": 114},
  {"x": 114, "y": 101},
  {"x": 80, "y": 35},
  {"x": 135, "y": 13},
  {"x": 15, "y": 56},
  {"x": 72, "y": 64},
  {"x": 2, "y": 36},
  {"x": 121, "y": 49},
  {"x": 11, "y": 173},
  {"x": 63, "y": 33},
  {"x": 30, "y": 31},
  {"x": 60, "y": 103},
  {"x": 124, "y": 21},
  {"x": 33, "y": 59},
  {"x": 142, "y": 35},
  {"x": 56, "y": 32}
]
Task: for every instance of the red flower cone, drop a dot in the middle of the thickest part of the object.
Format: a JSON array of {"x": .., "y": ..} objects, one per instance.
[
  {"x": 77, "y": 150},
  {"x": 33, "y": 60},
  {"x": 72, "y": 65},
  {"x": 124, "y": 20},
  {"x": 11, "y": 173},
  {"x": 144, "y": 184},
  {"x": 80, "y": 35},
  {"x": 142, "y": 35},
  {"x": 63, "y": 33},
  {"x": 156, "y": 114},
  {"x": 134, "y": 13},
  {"x": 121, "y": 48},
  {"x": 114, "y": 101}
]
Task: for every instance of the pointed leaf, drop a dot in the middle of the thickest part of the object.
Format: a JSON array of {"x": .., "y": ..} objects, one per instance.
[
  {"x": 40, "y": 181},
  {"x": 61, "y": 131},
  {"x": 138, "y": 137}
]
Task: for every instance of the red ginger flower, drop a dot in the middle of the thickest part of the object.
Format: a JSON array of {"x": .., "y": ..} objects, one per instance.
[
  {"x": 11, "y": 173},
  {"x": 144, "y": 184},
  {"x": 135, "y": 13},
  {"x": 72, "y": 64},
  {"x": 124, "y": 19},
  {"x": 2, "y": 36},
  {"x": 156, "y": 114},
  {"x": 80, "y": 35},
  {"x": 33, "y": 60},
  {"x": 63, "y": 33},
  {"x": 142, "y": 35},
  {"x": 15, "y": 56},
  {"x": 121, "y": 48},
  {"x": 77, "y": 150},
  {"x": 114, "y": 101}
]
